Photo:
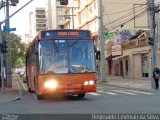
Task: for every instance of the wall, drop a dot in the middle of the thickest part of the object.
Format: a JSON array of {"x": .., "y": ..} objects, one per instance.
[{"x": 134, "y": 61}]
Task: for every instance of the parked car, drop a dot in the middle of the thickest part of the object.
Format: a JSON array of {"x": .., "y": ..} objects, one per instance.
[{"x": 21, "y": 71}]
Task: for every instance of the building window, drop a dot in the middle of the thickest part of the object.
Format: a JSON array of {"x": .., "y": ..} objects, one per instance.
[
  {"x": 93, "y": 26},
  {"x": 40, "y": 20},
  {"x": 60, "y": 18},
  {"x": 84, "y": 16},
  {"x": 59, "y": 8},
  {"x": 40, "y": 16}
]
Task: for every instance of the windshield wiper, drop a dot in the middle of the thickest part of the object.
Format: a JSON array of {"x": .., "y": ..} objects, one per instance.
[
  {"x": 55, "y": 46},
  {"x": 74, "y": 43}
]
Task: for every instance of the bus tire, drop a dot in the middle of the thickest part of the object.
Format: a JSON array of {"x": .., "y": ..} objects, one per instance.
[
  {"x": 39, "y": 97},
  {"x": 81, "y": 95},
  {"x": 29, "y": 90}
]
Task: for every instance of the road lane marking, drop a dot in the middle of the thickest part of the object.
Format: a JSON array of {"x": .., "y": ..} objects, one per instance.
[
  {"x": 129, "y": 93},
  {"x": 140, "y": 92},
  {"x": 92, "y": 93},
  {"x": 110, "y": 93},
  {"x": 100, "y": 87},
  {"x": 34, "y": 95}
]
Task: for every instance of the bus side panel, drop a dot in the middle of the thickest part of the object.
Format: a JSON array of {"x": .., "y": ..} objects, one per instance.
[{"x": 68, "y": 83}]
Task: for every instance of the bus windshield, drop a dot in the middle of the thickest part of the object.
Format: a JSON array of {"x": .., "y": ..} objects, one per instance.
[{"x": 66, "y": 56}]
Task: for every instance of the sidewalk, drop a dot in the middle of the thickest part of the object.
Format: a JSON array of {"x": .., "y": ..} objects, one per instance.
[
  {"x": 11, "y": 94},
  {"x": 139, "y": 84}
]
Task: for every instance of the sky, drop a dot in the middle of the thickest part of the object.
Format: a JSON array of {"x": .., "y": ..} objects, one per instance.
[{"x": 20, "y": 20}]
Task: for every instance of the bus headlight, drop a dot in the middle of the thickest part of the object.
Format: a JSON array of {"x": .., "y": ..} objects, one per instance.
[
  {"x": 50, "y": 84},
  {"x": 91, "y": 82},
  {"x": 86, "y": 83}
]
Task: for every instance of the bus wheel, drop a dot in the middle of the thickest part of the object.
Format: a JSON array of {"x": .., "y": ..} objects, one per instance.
[
  {"x": 81, "y": 95},
  {"x": 39, "y": 97},
  {"x": 29, "y": 90}
]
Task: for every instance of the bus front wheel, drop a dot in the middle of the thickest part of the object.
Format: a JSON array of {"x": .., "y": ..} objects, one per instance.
[
  {"x": 39, "y": 97},
  {"x": 29, "y": 90},
  {"x": 81, "y": 95}
]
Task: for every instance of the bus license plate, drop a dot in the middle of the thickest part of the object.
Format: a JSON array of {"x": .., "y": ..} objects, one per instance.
[{"x": 68, "y": 90}]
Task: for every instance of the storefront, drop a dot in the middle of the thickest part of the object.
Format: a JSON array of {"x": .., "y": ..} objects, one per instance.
[
  {"x": 134, "y": 62},
  {"x": 116, "y": 62}
]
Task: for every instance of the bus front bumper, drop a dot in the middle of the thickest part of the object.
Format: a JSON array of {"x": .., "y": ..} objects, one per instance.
[{"x": 73, "y": 89}]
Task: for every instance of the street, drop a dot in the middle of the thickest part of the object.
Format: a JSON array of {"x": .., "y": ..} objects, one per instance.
[
  {"x": 107, "y": 99},
  {"x": 108, "y": 48}
]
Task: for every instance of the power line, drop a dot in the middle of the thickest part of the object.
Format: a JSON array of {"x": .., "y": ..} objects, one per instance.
[
  {"x": 124, "y": 22},
  {"x": 118, "y": 4},
  {"x": 126, "y": 2},
  {"x": 123, "y": 17},
  {"x": 121, "y": 11},
  {"x": 106, "y": 14}
]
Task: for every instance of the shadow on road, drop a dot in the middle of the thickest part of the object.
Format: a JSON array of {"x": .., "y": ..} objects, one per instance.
[{"x": 60, "y": 98}]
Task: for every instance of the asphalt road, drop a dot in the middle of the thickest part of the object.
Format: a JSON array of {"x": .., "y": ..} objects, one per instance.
[{"x": 107, "y": 99}]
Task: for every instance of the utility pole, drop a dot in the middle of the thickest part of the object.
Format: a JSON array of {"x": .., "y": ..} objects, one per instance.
[
  {"x": 71, "y": 16},
  {"x": 8, "y": 63},
  {"x": 102, "y": 55},
  {"x": 1, "y": 64},
  {"x": 152, "y": 38},
  {"x": 1, "y": 53}
]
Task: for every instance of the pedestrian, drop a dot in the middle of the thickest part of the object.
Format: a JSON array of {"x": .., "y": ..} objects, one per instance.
[{"x": 156, "y": 76}]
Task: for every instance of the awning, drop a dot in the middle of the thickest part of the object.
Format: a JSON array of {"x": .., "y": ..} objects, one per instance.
[{"x": 120, "y": 57}]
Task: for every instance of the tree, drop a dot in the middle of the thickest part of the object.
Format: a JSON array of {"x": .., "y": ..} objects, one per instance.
[{"x": 18, "y": 50}]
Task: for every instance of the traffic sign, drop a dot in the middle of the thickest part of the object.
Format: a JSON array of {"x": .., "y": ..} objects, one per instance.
[{"x": 5, "y": 29}]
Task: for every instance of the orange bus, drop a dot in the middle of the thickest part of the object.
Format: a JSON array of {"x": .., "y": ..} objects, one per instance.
[{"x": 61, "y": 62}]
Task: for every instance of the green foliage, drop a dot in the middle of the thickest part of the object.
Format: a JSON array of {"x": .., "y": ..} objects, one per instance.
[{"x": 18, "y": 50}]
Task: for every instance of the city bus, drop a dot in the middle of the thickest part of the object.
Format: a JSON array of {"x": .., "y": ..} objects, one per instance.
[{"x": 61, "y": 62}]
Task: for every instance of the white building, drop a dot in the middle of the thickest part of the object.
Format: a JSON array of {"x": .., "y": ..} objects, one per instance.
[
  {"x": 39, "y": 19},
  {"x": 55, "y": 14}
]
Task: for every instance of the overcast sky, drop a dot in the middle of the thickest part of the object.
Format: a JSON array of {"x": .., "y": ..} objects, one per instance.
[{"x": 20, "y": 20}]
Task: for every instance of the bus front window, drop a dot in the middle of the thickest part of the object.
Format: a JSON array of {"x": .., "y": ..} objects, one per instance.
[
  {"x": 66, "y": 56},
  {"x": 54, "y": 57},
  {"x": 81, "y": 56}
]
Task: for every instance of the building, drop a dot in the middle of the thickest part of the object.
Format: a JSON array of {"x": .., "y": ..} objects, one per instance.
[
  {"x": 39, "y": 19},
  {"x": 29, "y": 36},
  {"x": 55, "y": 14},
  {"x": 71, "y": 15},
  {"x": 130, "y": 56},
  {"x": 126, "y": 28},
  {"x": 49, "y": 14},
  {"x": 125, "y": 31},
  {"x": 131, "y": 59}
]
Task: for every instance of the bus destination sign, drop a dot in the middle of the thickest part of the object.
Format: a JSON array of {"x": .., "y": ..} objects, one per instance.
[{"x": 65, "y": 34}]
